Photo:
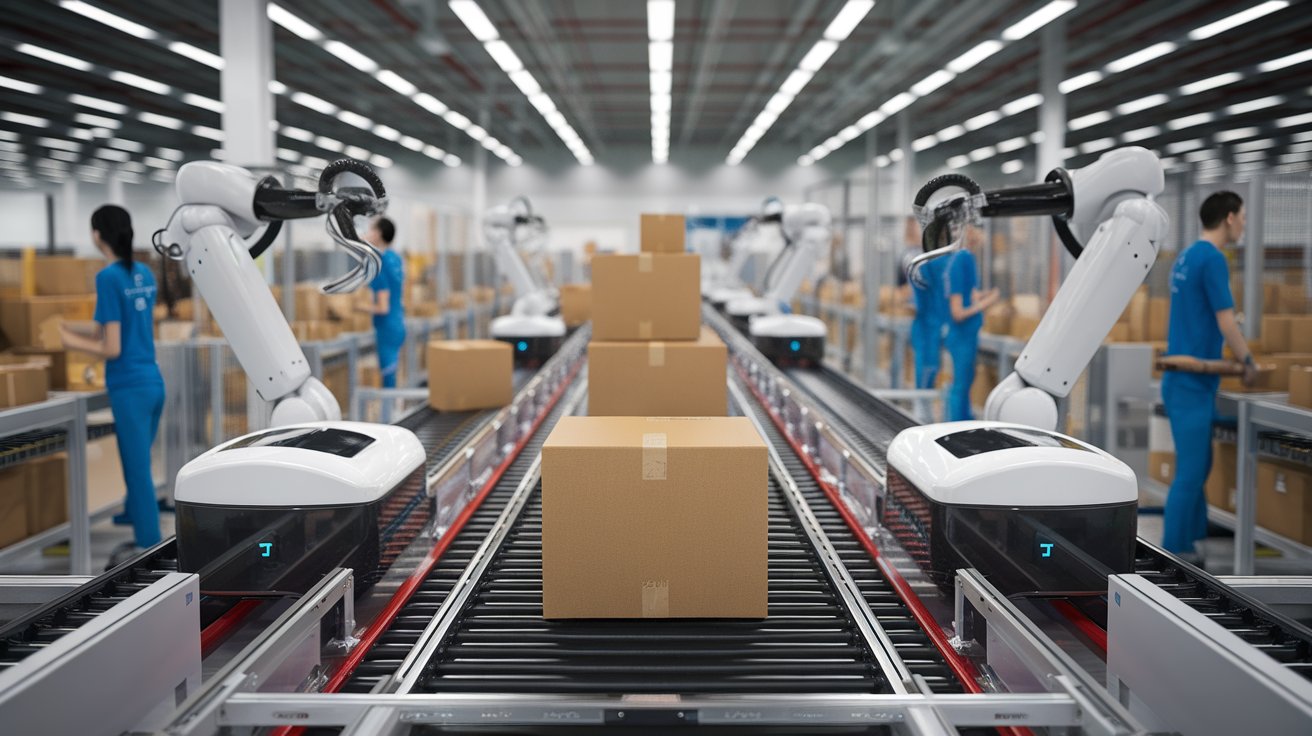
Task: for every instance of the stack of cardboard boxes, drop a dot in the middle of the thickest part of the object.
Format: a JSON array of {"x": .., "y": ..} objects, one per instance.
[
  {"x": 654, "y": 505},
  {"x": 53, "y": 290},
  {"x": 33, "y": 497}
]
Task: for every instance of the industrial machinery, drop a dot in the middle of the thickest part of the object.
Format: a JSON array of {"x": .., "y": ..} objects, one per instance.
[
  {"x": 729, "y": 287},
  {"x": 349, "y": 494},
  {"x": 534, "y": 326},
  {"x": 768, "y": 319},
  {"x": 1032, "y": 509}
]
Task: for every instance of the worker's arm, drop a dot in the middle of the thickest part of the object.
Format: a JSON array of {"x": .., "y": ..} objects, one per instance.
[
  {"x": 961, "y": 313},
  {"x": 1225, "y": 320},
  {"x": 107, "y": 343},
  {"x": 379, "y": 305}
]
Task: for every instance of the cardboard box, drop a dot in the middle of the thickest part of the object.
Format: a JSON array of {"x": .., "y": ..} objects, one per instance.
[
  {"x": 646, "y": 297},
  {"x": 21, "y": 319},
  {"x": 1300, "y": 386},
  {"x": 1024, "y": 327},
  {"x": 23, "y": 383},
  {"x": 1161, "y": 467},
  {"x": 309, "y": 303},
  {"x": 55, "y": 362},
  {"x": 1275, "y": 333},
  {"x": 998, "y": 321},
  {"x": 315, "y": 330},
  {"x": 13, "y": 505},
  {"x": 47, "y": 487},
  {"x": 1120, "y": 332},
  {"x": 1159, "y": 314},
  {"x": 469, "y": 374},
  {"x": 1300, "y": 335},
  {"x": 1027, "y": 305},
  {"x": 576, "y": 303},
  {"x": 66, "y": 275},
  {"x": 662, "y": 234},
  {"x": 336, "y": 307},
  {"x": 644, "y": 379},
  {"x": 646, "y": 517},
  {"x": 1222, "y": 487},
  {"x": 1284, "y": 499},
  {"x": 1280, "y": 365}
]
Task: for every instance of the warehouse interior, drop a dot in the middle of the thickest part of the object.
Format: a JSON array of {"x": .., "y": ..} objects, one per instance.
[{"x": 574, "y": 366}]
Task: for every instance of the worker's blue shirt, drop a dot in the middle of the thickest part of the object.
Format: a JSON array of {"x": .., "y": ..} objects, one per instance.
[
  {"x": 390, "y": 278},
  {"x": 963, "y": 279},
  {"x": 128, "y": 298},
  {"x": 1200, "y": 287},
  {"x": 929, "y": 293}
]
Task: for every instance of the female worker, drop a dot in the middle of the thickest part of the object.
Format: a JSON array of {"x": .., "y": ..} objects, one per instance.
[
  {"x": 966, "y": 303},
  {"x": 389, "y": 315},
  {"x": 929, "y": 299},
  {"x": 124, "y": 336}
]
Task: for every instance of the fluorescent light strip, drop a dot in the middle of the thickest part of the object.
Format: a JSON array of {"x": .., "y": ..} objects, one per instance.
[
  {"x": 976, "y": 55},
  {"x": 96, "y": 103},
  {"x": 1203, "y": 85},
  {"x": 1142, "y": 56},
  {"x": 104, "y": 16},
  {"x": 848, "y": 19},
  {"x": 1190, "y": 121},
  {"x": 54, "y": 57},
  {"x": 211, "y": 60},
  {"x": 1038, "y": 19},
  {"x": 1262, "y": 103},
  {"x": 20, "y": 86},
  {"x": 1013, "y": 166},
  {"x": 396, "y": 82},
  {"x": 293, "y": 23},
  {"x": 1236, "y": 134},
  {"x": 163, "y": 121},
  {"x": 1237, "y": 19},
  {"x": 140, "y": 82},
  {"x": 1086, "y": 121},
  {"x": 203, "y": 102},
  {"x": 1079, "y": 81},
  {"x": 1141, "y": 104},
  {"x": 19, "y": 118},
  {"x": 1284, "y": 61},
  {"x": 660, "y": 35},
  {"x": 352, "y": 57}
]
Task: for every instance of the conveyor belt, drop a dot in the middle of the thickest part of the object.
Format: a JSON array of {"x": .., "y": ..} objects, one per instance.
[
  {"x": 386, "y": 654},
  {"x": 40, "y": 628},
  {"x": 870, "y": 427}
]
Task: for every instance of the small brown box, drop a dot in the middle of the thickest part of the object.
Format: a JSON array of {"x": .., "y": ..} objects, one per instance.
[
  {"x": 66, "y": 275},
  {"x": 1221, "y": 482},
  {"x": 662, "y": 234},
  {"x": 1161, "y": 467},
  {"x": 1275, "y": 333},
  {"x": 1284, "y": 499},
  {"x": 643, "y": 379},
  {"x": 576, "y": 304},
  {"x": 13, "y": 505},
  {"x": 1300, "y": 334},
  {"x": 646, "y": 297},
  {"x": 47, "y": 486},
  {"x": 654, "y": 517},
  {"x": 23, "y": 383},
  {"x": 469, "y": 374},
  {"x": 1300, "y": 386}
]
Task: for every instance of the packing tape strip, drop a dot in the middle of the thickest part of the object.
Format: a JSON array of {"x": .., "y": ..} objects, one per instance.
[
  {"x": 656, "y": 599},
  {"x": 644, "y": 329},
  {"x": 654, "y": 455},
  {"x": 645, "y": 262},
  {"x": 656, "y": 355}
]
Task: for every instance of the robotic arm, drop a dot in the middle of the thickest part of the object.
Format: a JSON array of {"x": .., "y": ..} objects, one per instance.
[
  {"x": 807, "y": 227},
  {"x": 220, "y": 207},
  {"x": 1111, "y": 201},
  {"x": 501, "y": 225}
]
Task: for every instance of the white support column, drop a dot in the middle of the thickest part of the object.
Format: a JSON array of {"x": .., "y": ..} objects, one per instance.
[
  {"x": 872, "y": 264},
  {"x": 68, "y": 229},
  {"x": 1052, "y": 124},
  {"x": 246, "y": 44},
  {"x": 115, "y": 183},
  {"x": 906, "y": 168}
]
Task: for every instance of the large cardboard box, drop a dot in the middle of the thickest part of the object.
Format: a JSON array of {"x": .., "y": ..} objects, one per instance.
[
  {"x": 23, "y": 383},
  {"x": 1024, "y": 327},
  {"x": 1221, "y": 487},
  {"x": 55, "y": 362},
  {"x": 13, "y": 505},
  {"x": 1275, "y": 333},
  {"x": 1284, "y": 499},
  {"x": 644, "y": 379},
  {"x": 469, "y": 374},
  {"x": 66, "y": 275},
  {"x": 1159, "y": 313},
  {"x": 1300, "y": 386},
  {"x": 646, "y": 297},
  {"x": 654, "y": 517},
  {"x": 576, "y": 303},
  {"x": 47, "y": 488},
  {"x": 21, "y": 319},
  {"x": 662, "y": 234},
  {"x": 1281, "y": 364},
  {"x": 1161, "y": 467}
]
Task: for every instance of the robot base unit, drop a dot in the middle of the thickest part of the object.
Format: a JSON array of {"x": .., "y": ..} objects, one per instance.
[
  {"x": 275, "y": 510},
  {"x": 789, "y": 338},
  {"x": 1033, "y": 510},
  {"x": 535, "y": 338}
]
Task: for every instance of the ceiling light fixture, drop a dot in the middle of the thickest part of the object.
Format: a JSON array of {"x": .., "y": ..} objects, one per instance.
[
  {"x": 1038, "y": 19},
  {"x": 1202, "y": 85},
  {"x": 211, "y": 60},
  {"x": 140, "y": 82},
  {"x": 163, "y": 121},
  {"x": 1237, "y": 19},
  {"x": 104, "y": 16},
  {"x": 54, "y": 57}
]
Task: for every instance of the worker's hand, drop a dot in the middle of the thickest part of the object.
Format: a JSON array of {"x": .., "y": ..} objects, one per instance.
[
  {"x": 1250, "y": 372},
  {"x": 986, "y": 299}
]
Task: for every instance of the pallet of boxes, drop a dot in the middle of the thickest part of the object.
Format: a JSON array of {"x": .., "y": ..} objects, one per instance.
[{"x": 655, "y": 504}]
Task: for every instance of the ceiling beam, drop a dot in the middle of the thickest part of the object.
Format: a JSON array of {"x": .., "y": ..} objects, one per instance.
[{"x": 711, "y": 46}]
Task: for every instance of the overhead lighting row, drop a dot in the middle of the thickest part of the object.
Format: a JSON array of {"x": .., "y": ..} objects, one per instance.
[
  {"x": 977, "y": 54},
  {"x": 852, "y": 13},
  {"x": 469, "y": 13},
  {"x": 660, "y": 59},
  {"x": 1050, "y": 12}
]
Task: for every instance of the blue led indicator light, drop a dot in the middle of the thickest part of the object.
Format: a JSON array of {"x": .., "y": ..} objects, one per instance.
[
  {"x": 1118, "y": 599},
  {"x": 522, "y": 345},
  {"x": 795, "y": 346},
  {"x": 267, "y": 548},
  {"x": 1047, "y": 548}
]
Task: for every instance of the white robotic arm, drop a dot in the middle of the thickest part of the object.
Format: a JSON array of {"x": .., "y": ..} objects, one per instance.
[
  {"x": 500, "y": 227},
  {"x": 1112, "y": 199},
  {"x": 220, "y": 205},
  {"x": 808, "y": 227}
]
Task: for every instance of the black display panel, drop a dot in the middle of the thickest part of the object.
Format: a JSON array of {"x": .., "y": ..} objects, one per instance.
[
  {"x": 328, "y": 440},
  {"x": 979, "y": 441}
]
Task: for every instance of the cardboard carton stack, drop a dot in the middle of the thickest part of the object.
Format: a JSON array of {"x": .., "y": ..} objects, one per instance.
[
  {"x": 649, "y": 355},
  {"x": 33, "y": 497},
  {"x": 54, "y": 290},
  {"x": 464, "y": 375}
]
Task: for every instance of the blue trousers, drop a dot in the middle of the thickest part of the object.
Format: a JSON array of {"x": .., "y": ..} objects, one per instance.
[
  {"x": 927, "y": 347},
  {"x": 1190, "y": 411},
  {"x": 136, "y": 420},
  {"x": 389, "y": 356},
  {"x": 962, "y": 348}
]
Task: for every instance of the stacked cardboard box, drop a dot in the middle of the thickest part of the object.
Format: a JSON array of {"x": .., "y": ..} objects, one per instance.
[
  {"x": 648, "y": 296},
  {"x": 662, "y": 233},
  {"x": 464, "y": 375},
  {"x": 576, "y": 304},
  {"x": 33, "y": 497},
  {"x": 1221, "y": 481},
  {"x": 679, "y": 379},
  {"x": 25, "y": 382},
  {"x": 66, "y": 275},
  {"x": 1284, "y": 499}
]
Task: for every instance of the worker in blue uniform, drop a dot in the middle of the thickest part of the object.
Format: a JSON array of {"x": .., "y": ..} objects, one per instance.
[
  {"x": 124, "y": 336},
  {"x": 388, "y": 313},
  {"x": 966, "y": 305},
  {"x": 1202, "y": 316},
  {"x": 929, "y": 299}
]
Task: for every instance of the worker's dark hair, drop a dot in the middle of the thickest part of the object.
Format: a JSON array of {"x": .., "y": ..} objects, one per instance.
[
  {"x": 385, "y": 229},
  {"x": 115, "y": 227},
  {"x": 1217, "y": 207}
]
